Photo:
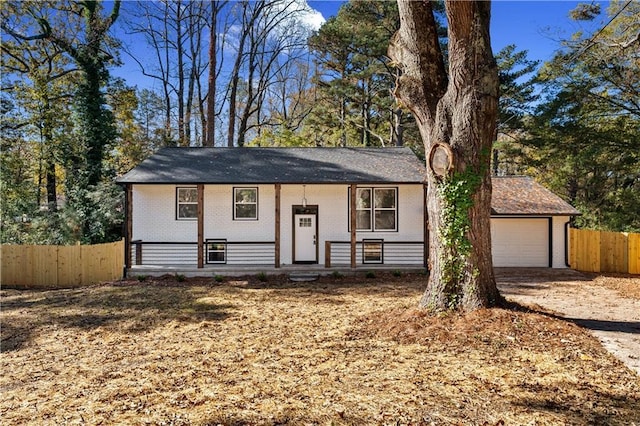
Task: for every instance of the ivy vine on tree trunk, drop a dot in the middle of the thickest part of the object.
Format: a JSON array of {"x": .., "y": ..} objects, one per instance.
[{"x": 456, "y": 107}]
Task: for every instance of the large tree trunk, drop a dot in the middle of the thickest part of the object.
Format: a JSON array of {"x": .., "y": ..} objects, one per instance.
[{"x": 455, "y": 110}]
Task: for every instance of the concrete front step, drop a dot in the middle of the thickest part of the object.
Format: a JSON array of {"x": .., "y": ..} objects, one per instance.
[{"x": 303, "y": 276}]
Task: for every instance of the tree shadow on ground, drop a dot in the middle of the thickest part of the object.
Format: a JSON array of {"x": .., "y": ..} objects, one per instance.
[
  {"x": 590, "y": 406},
  {"x": 131, "y": 308}
]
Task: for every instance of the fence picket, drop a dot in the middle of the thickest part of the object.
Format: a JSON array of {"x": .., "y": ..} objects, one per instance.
[
  {"x": 634, "y": 253},
  {"x": 60, "y": 266},
  {"x": 600, "y": 251}
]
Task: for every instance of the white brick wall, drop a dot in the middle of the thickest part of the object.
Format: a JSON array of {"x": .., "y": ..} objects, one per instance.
[
  {"x": 154, "y": 215},
  {"x": 218, "y": 214},
  {"x": 559, "y": 241}
]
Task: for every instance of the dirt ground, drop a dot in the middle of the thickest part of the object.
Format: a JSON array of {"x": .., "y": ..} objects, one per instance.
[
  {"x": 338, "y": 351},
  {"x": 607, "y": 305}
]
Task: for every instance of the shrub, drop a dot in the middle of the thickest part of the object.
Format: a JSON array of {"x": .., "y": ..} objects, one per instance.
[
  {"x": 397, "y": 273},
  {"x": 337, "y": 275},
  {"x": 180, "y": 278},
  {"x": 370, "y": 274},
  {"x": 262, "y": 276},
  {"x": 141, "y": 278},
  {"x": 218, "y": 278}
]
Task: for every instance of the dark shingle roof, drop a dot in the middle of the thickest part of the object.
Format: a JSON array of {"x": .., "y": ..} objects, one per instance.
[
  {"x": 520, "y": 195},
  {"x": 511, "y": 195},
  {"x": 278, "y": 165}
]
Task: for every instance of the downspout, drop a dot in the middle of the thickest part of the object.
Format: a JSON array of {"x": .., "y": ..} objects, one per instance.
[
  {"x": 550, "y": 219},
  {"x": 128, "y": 195},
  {"x": 566, "y": 244}
]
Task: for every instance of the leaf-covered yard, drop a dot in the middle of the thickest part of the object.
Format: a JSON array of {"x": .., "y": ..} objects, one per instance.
[{"x": 338, "y": 351}]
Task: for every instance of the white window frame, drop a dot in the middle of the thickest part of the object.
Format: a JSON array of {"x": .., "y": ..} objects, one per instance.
[
  {"x": 186, "y": 203},
  {"x": 223, "y": 251},
  {"x": 394, "y": 209},
  {"x": 237, "y": 203},
  {"x": 372, "y": 209}
]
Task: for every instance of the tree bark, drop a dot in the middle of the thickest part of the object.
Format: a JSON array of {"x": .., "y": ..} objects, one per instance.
[
  {"x": 210, "y": 134},
  {"x": 456, "y": 109}
]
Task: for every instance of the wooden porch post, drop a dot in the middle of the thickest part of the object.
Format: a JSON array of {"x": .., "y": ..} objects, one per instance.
[
  {"x": 128, "y": 231},
  {"x": 277, "y": 230},
  {"x": 352, "y": 218},
  {"x": 200, "y": 226}
]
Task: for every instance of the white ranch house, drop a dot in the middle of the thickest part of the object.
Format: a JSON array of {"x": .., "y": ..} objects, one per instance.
[{"x": 225, "y": 210}]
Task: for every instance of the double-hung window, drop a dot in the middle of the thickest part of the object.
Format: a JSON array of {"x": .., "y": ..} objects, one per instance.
[
  {"x": 245, "y": 203},
  {"x": 186, "y": 203},
  {"x": 216, "y": 251},
  {"x": 376, "y": 209}
]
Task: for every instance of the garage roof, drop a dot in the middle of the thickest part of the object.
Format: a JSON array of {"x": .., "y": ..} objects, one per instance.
[
  {"x": 278, "y": 165},
  {"x": 523, "y": 196}
]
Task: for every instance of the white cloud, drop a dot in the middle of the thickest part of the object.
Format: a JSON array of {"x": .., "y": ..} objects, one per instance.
[{"x": 311, "y": 17}]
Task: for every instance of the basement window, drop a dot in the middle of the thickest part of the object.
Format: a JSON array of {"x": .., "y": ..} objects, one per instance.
[
  {"x": 372, "y": 251},
  {"x": 216, "y": 251}
]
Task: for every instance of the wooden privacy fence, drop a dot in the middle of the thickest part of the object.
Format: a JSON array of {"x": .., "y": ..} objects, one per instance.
[
  {"x": 60, "y": 266},
  {"x": 600, "y": 251}
]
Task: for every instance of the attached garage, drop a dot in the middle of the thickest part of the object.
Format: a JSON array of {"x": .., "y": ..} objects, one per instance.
[
  {"x": 520, "y": 242},
  {"x": 528, "y": 224}
]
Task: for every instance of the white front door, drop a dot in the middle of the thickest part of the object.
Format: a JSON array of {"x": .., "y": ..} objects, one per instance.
[{"x": 305, "y": 238}]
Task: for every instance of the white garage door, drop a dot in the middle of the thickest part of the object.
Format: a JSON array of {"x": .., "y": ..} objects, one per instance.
[{"x": 520, "y": 242}]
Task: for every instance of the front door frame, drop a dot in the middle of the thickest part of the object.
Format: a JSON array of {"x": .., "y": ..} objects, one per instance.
[{"x": 299, "y": 209}]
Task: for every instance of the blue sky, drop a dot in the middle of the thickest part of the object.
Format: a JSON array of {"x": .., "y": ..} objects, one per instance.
[
  {"x": 530, "y": 25},
  {"x": 535, "y": 26}
]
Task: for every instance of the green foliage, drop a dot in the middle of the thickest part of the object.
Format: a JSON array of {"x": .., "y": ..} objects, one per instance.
[
  {"x": 456, "y": 195},
  {"x": 353, "y": 100},
  {"x": 397, "y": 273},
  {"x": 281, "y": 138},
  {"x": 218, "y": 278},
  {"x": 141, "y": 278},
  {"x": 262, "y": 277},
  {"x": 54, "y": 65},
  {"x": 584, "y": 140},
  {"x": 337, "y": 275},
  {"x": 180, "y": 278},
  {"x": 370, "y": 274}
]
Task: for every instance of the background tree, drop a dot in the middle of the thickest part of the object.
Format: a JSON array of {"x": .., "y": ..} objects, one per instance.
[
  {"x": 174, "y": 32},
  {"x": 455, "y": 108},
  {"x": 354, "y": 80},
  {"x": 63, "y": 47},
  {"x": 518, "y": 78},
  {"x": 584, "y": 140}
]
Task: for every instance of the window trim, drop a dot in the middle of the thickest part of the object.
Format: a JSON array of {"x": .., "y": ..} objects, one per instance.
[
  {"x": 178, "y": 203},
  {"x": 235, "y": 203},
  {"x": 224, "y": 250},
  {"x": 373, "y": 209}
]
